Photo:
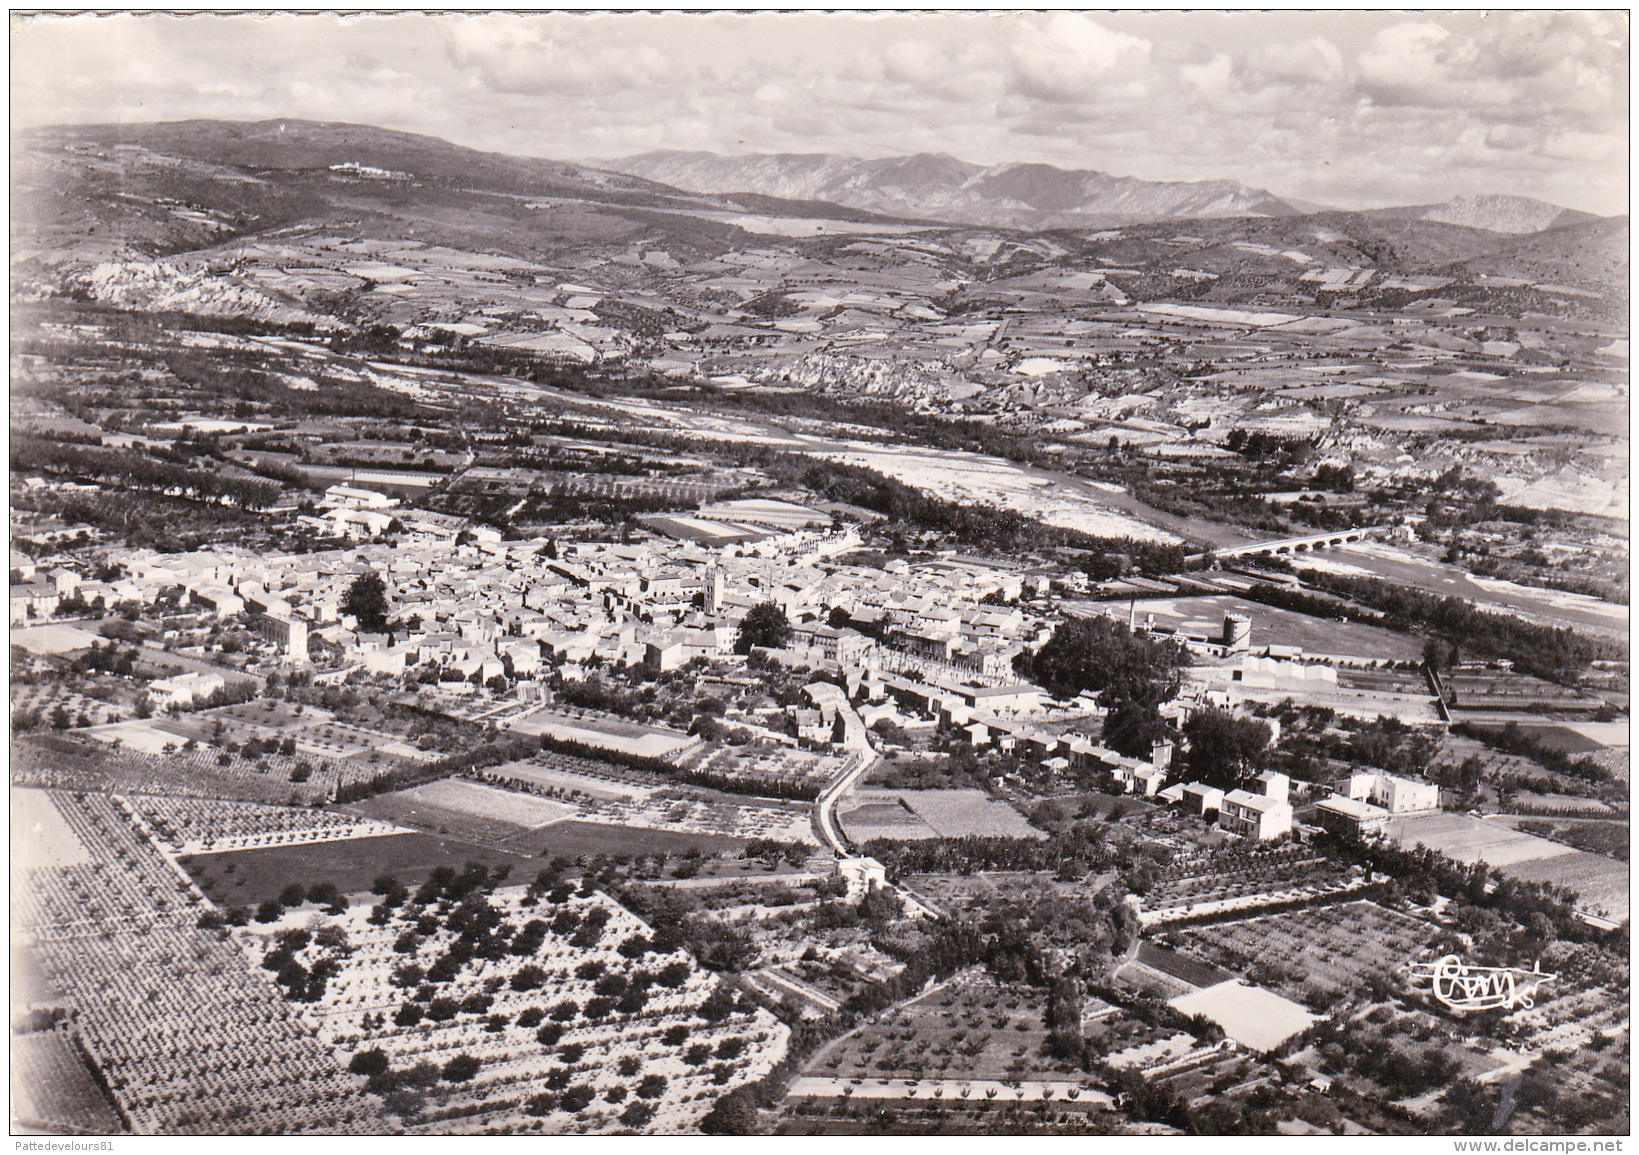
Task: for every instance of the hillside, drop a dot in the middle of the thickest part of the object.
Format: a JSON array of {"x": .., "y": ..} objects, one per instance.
[
  {"x": 91, "y": 193},
  {"x": 1591, "y": 254},
  {"x": 1498, "y": 214},
  {"x": 940, "y": 187}
]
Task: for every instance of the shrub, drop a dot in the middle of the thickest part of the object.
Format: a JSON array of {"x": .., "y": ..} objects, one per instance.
[
  {"x": 528, "y": 978},
  {"x": 577, "y": 1098},
  {"x": 734, "y": 1113},
  {"x": 461, "y": 1068},
  {"x": 371, "y": 1062},
  {"x": 651, "y": 1087}
]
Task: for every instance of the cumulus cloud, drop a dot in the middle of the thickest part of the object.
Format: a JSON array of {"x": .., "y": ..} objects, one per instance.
[
  {"x": 504, "y": 55},
  {"x": 1345, "y": 108},
  {"x": 1072, "y": 57}
]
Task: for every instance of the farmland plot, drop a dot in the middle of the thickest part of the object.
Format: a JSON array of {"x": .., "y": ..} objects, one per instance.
[
  {"x": 1470, "y": 840},
  {"x": 52, "y": 1086},
  {"x": 1313, "y": 956},
  {"x": 1601, "y": 884},
  {"x": 194, "y": 826},
  {"x": 541, "y": 1015},
  {"x": 160, "y": 1001},
  {"x": 941, "y": 813},
  {"x": 488, "y": 803},
  {"x": 970, "y": 1028}
]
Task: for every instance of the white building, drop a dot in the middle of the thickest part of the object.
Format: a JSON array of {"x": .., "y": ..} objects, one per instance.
[
  {"x": 1254, "y": 815},
  {"x": 1390, "y": 792},
  {"x": 861, "y": 874},
  {"x": 347, "y": 497},
  {"x": 185, "y": 689}
]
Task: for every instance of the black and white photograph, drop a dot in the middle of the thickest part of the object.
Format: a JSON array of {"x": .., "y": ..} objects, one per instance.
[{"x": 820, "y": 573}]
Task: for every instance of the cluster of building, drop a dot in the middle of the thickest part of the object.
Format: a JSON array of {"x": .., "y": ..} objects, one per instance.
[
  {"x": 936, "y": 640},
  {"x": 473, "y": 607}
]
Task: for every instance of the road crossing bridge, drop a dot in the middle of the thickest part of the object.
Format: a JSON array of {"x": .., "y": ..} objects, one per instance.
[{"x": 1291, "y": 545}]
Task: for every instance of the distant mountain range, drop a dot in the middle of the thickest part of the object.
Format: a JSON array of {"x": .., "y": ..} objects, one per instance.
[
  {"x": 88, "y": 194},
  {"x": 1031, "y": 196},
  {"x": 941, "y": 188}
]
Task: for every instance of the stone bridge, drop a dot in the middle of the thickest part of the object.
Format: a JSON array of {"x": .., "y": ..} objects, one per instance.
[{"x": 1292, "y": 545}]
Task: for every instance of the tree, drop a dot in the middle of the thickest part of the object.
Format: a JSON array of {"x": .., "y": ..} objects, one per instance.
[
  {"x": 765, "y": 625},
  {"x": 366, "y": 600},
  {"x": 1124, "y": 668},
  {"x": 371, "y": 1062},
  {"x": 1225, "y": 750},
  {"x": 734, "y": 1113}
]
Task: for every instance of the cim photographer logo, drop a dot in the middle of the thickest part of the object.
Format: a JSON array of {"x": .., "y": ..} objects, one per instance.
[{"x": 1471, "y": 988}]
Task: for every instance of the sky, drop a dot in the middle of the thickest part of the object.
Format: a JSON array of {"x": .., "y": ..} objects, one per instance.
[{"x": 1345, "y": 109}]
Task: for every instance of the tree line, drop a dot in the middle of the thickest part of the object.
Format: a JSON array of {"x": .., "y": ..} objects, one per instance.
[{"x": 139, "y": 471}]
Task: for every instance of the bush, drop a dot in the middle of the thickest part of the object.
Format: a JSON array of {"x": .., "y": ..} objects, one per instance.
[
  {"x": 461, "y": 1068},
  {"x": 371, "y": 1062},
  {"x": 651, "y": 1087},
  {"x": 528, "y": 978},
  {"x": 577, "y": 1098},
  {"x": 734, "y": 1113}
]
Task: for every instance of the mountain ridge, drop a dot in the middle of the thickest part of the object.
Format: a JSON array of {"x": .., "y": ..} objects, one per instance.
[
  {"x": 936, "y": 186},
  {"x": 1032, "y": 195}
]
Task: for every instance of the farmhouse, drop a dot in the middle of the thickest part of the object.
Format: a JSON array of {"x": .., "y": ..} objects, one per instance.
[
  {"x": 861, "y": 874},
  {"x": 184, "y": 689},
  {"x": 1254, "y": 815},
  {"x": 1392, "y": 793},
  {"x": 1342, "y": 815}
]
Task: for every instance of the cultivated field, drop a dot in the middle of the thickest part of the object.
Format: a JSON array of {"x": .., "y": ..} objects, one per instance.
[
  {"x": 1603, "y": 885},
  {"x": 932, "y": 814},
  {"x": 190, "y": 1038},
  {"x": 198, "y": 826},
  {"x": 53, "y": 1088},
  {"x": 486, "y": 803},
  {"x": 970, "y": 1028},
  {"x": 249, "y": 877},
  {"x": 602, "y": 732},
  {"x": 1316, "y": 956},
  {"x": 568, "y": 776},
  {"x": 526, "y": 1014},
  {"x": 1252, "y": 1016},
  {"x": 1469, "y": 839}
]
